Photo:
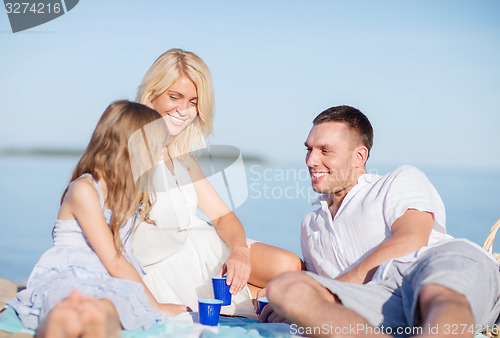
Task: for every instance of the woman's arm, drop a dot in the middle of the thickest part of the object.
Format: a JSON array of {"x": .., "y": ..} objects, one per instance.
[
  {"x": 83, "y": 202},
  {"x": 228, "y": 227}
]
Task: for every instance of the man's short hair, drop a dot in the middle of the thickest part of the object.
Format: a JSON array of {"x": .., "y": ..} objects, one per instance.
[{"x": 353, "y": 118}]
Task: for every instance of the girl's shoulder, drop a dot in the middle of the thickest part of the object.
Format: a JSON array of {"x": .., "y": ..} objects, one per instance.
[
  {"x": 81, "y": 190},
  {"x": 81, "y": 194}
]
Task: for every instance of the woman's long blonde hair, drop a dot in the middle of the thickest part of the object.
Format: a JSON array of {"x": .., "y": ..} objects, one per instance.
[
  {"x": 108, "y": 156},
  {"x": 171, "y": 65}
]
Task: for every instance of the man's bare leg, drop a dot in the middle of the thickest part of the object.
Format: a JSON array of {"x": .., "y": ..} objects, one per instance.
[
  {"x": 445, "y": 313},
  {"x": 304, "y": 302}
]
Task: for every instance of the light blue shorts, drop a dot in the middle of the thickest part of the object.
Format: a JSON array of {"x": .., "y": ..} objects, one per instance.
[{"x": 392, "y": 302}]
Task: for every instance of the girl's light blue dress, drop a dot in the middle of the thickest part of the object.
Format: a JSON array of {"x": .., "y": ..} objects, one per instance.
[{"x": 72, "y": 264}]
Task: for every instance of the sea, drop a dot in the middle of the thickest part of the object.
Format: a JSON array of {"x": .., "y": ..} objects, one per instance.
[{"x": 269, "y": 198}]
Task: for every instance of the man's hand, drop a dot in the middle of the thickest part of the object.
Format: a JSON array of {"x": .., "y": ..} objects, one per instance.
[
  {"x": 261, "y": 293},
  {"x": 238, "y": 269},
  {"x": 269, "y": 316},
  {"x": 409, "y": 233},
  {"x": 352, "y": 276}
]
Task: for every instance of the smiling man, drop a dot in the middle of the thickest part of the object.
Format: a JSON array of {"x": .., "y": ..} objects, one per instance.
[
  {"x": 364, "y": 219},
  {"x": 388, "y": 231}
]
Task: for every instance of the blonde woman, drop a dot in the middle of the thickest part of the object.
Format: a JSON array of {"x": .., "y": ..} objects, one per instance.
[{"x": 181, "y": 252}]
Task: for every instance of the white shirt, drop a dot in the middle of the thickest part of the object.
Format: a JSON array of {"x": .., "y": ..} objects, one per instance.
[{"x": 364, "y": 219}]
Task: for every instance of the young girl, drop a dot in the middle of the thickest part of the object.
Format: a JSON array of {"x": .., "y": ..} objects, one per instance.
[
  {"x": 182, "y": 252},
  {"x": 92, "y": 247}
]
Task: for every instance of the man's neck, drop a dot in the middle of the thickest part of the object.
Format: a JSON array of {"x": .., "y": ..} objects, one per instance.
[{"x": 338, "y": 197}]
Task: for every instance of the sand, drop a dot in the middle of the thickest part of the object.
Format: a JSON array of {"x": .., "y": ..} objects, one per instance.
[{"x": 8, "y": 290}]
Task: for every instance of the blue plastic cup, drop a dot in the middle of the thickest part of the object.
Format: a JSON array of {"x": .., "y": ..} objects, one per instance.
[
  {"x": 263, "y": 301},
  {"x": 221, "y": 289},
  {"x": 209, "y": 310}
]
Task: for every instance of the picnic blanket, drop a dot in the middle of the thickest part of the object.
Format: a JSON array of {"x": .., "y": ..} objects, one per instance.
[{"x": 183, "y": 325}]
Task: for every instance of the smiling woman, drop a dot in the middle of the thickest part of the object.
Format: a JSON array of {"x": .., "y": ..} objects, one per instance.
[
  {"x": 181, "y": 252},
  {"x": 179, "y": 84},
  {"x": 178, "y": 105}
]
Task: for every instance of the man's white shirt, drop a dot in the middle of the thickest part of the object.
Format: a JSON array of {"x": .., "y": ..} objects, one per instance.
[{"x": 364, "y": 219}]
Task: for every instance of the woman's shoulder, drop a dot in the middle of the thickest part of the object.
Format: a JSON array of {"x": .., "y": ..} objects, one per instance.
[
  {"x": 190, "y": 162},
  {"x": 194, "y": 169}
]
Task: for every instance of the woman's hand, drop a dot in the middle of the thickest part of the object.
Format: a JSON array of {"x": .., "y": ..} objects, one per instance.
[
  {"x": 228, "y": 227},
  {"x": 238, "y": 269},
  {"x": 172, "y": 309}
]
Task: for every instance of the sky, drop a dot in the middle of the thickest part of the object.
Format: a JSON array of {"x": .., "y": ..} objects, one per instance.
[{"x": 426, "y": 73}]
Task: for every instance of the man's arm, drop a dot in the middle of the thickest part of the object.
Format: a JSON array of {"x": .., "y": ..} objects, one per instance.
[{"x": 409, "y": 233}]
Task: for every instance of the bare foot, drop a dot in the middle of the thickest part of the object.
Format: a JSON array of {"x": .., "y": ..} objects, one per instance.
[
  {"x": 80, "y": 316},
  {"x": 101, "y": 319},
  {"x": 63, "y": 320}
]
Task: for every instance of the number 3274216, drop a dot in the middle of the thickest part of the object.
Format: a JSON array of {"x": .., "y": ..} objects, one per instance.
[{"x": 32, "y": 7}]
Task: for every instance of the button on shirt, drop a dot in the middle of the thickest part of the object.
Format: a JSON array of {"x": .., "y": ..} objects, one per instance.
[{"x": 331, "y": 246}]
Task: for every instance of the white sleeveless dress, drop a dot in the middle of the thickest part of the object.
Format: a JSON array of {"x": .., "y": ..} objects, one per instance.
[{"x": 182, "y": 252}]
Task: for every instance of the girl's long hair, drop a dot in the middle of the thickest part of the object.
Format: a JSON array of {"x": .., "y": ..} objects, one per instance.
[{"x": 108, "y": 157}]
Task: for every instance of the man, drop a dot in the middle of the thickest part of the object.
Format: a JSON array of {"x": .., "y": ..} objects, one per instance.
[
  {"x": 428, "y": 279},
  {"x": 364, "y": 219}
]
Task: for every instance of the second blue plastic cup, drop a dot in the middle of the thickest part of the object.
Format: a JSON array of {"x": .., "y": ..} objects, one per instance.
[
  {"x": 221, "y": 289},
  {"x": 262, "y": 302},
  {"x": 209, "y": 310}
]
